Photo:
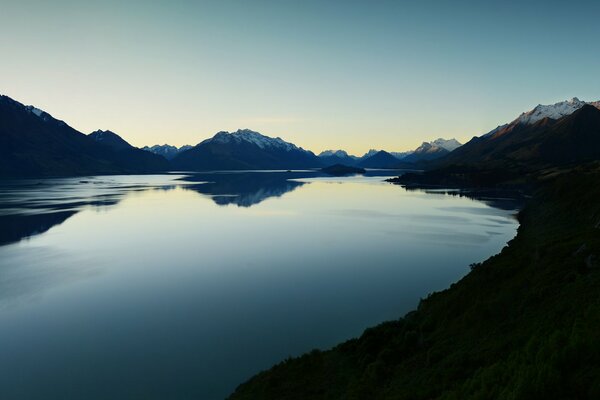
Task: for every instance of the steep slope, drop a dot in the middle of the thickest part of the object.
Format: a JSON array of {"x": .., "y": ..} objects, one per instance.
[
  {"x": 522, "y": 325},
  {"x": 244, "y": 149},
  {"x": 33, "y": 143},
  {"x": 573, "y": 138},
  {"x": 381, "y": 159}
]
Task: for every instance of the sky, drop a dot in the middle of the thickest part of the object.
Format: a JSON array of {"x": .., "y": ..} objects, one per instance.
[{"x": 322, "y": 74}]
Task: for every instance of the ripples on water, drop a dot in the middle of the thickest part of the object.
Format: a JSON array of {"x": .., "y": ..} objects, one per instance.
[{"x": 168, "y": 286}]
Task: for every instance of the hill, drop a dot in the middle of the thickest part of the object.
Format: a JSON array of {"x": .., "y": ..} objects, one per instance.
[
  {"x": 128, "y": 157},
  {"x": 521, "y": 325},
  {"x": 382, "y": 159},
  {"x": 332, "y": 157}
]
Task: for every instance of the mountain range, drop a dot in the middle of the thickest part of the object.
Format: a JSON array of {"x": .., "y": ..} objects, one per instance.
[
  {"x": 563, "y": 133},
  {"x": 522, "y": 324},
  {"x": 33, "y": 143},
  {"x": 167, "y": 151},
  {"x": 383, "y": 159}
]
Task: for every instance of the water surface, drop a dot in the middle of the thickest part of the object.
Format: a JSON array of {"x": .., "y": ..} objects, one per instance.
[{"x": 157, "y": 287}]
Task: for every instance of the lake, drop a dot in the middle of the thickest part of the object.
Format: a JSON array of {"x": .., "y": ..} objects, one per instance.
[{"x": 166, "y": 286}]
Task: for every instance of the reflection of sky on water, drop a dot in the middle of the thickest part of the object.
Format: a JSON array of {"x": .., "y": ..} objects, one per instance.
[{"x": 174, "y": 293}]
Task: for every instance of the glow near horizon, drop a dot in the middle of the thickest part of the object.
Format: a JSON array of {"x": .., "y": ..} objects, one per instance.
[{"x": 323, "y": 75}]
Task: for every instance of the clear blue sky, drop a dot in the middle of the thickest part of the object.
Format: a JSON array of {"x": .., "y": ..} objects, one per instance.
[{"x": 322, "y": 74}]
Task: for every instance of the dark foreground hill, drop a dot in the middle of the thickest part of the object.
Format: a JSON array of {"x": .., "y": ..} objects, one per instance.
[{"x": 521, "y": 325}]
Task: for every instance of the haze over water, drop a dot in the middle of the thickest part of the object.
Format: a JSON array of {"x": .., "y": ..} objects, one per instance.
[{"x": 153, "y": 287}]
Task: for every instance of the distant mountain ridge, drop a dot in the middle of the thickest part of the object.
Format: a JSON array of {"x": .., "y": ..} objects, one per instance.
[
  {"x": 36, "y": 144},
  {"x": 333, "y": 157},
  {"x": 427, "y": 151},
  {"x": 167, "y": 151}
]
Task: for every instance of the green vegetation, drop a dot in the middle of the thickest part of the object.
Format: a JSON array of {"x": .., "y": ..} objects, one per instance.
[{"x": 524, "y": 324}]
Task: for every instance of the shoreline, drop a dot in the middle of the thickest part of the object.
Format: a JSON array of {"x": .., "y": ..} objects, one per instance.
[{"x": 470, "y": 340}]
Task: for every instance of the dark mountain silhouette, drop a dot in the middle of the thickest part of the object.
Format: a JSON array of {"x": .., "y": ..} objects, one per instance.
[
  {"x": 128, "y": 157},
  {"x": 244, "y": 149},
  {"x": 574, "y": 138},
  {"x": 167, "y": 151},
  {"x": 33, "y": 143},
  {"x": 521, "y": 324},
  {"x": 16, "y": 227},
  {"x": 332, "y": 157},
  {"x": 381, "y": 159},
  {"x": 110, "y": 139}
]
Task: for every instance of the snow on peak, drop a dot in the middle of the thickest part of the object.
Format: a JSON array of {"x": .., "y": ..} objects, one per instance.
[
  {"x": 337, "y": 153},
  {"x": 370, "y": 153},
  {"x": 249, "y": 136},
  {"x": 447, "y": 144},
  {"x": 36, "y": 111},
  {"x": 553, "y": 111},
  {"x": 437, "y": 145}
]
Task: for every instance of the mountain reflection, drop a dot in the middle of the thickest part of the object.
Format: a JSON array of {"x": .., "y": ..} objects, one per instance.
[
  {"x": 498, "y": 199},
  {"x": 32, "y": 207},
  {"x": 246, "y": 189},
  {"x": 16, "y": 227}
]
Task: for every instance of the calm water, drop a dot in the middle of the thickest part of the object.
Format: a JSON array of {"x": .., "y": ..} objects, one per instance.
[{"x": 151, "y": 287}]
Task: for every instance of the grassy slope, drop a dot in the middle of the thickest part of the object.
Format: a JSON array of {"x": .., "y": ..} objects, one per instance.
[{"x": 522, "y": 325}]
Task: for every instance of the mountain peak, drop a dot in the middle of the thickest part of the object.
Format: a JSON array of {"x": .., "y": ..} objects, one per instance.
[
  {"x": 110, "y": 138},
  {"x": 336, "y": 153},
  {"x": 250, "y": 136},
  {"x": 553, "y": 111}
]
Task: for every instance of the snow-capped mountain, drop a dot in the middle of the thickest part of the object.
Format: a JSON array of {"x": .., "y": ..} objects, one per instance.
[
  {"x": 332, "y": 157},
  {"x": 245, "y": 149},
  {"x": 447, "y": 144},
  {"x": 554, "y": 111},
  {"x": 369, "y": 153},
  {"x": 249, "y": 136},
  {"x": 432, "y": 150},
  {"x": 336, "y": 153},
  {"x": 401, "y": 154},
  {"x": 561, "y": 133},
  {"x": 166, "y": 150}
]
